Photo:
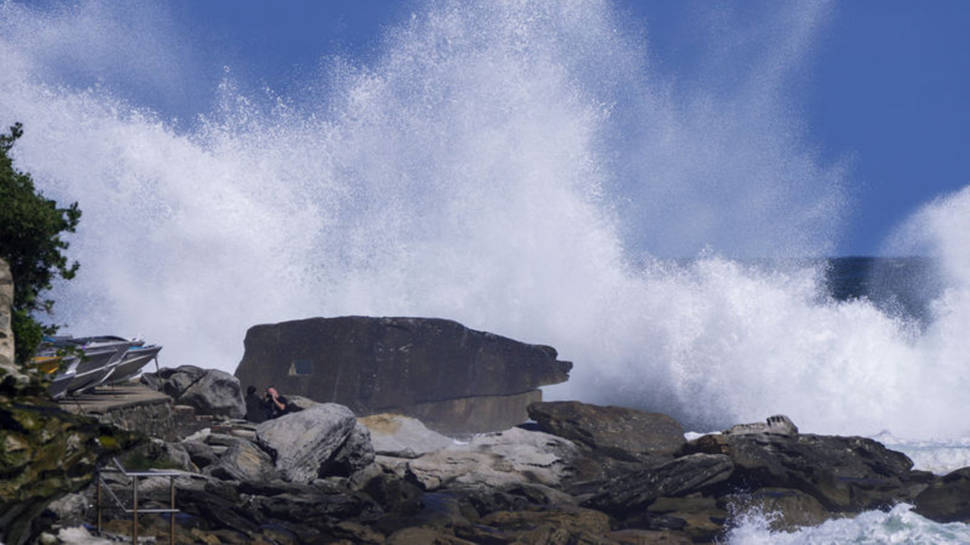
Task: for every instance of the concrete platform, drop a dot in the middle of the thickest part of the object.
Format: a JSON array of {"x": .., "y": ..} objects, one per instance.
[{"x": 104, "y": 399}]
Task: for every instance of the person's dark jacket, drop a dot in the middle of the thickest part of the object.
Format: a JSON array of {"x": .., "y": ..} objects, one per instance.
[{"x": 256, "y": 410}]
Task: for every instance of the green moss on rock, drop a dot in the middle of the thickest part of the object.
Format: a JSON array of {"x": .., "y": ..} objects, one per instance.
[{"x": 54, "y": 453}]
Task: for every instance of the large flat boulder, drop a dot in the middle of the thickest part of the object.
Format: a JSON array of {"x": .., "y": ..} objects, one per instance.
[
  {"x": 845, "y": 474},
  {"x": 405, "y": 365},
  {"x": 497, "y": 459},
  {"x": 618, "y": 432},
  {"x": 402, "y": 436}
]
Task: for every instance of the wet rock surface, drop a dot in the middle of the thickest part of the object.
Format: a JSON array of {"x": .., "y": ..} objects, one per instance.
[
  {"x": 947, "y": 499},
  {"x": 681, "y": 476},
  {"x": 845, "y": 474}
]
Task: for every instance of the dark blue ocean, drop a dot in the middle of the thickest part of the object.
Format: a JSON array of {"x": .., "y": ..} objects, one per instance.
[{"x": 899, "y": 285}]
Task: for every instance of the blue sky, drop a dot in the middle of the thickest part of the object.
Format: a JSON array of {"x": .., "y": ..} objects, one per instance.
[{"x": 883, "y": 89}]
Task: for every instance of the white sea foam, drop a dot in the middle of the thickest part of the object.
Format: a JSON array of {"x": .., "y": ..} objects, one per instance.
[
  {"x": 514, "y": 166},
  {"x": 940, "y": 456},
  {"x": 898, "y": 526}
]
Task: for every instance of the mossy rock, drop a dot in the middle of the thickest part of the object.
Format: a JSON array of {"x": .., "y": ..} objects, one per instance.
[{"x": 51, "y": 453}]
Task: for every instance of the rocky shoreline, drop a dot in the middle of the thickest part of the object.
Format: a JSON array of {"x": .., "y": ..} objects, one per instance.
[
  {"x": 575, "y": 474},
  {"x": 579, "y": 473}
]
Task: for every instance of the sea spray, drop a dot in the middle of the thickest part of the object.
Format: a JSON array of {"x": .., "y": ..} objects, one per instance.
[
  {"x": 520, "y": 167},
  {"x": 899, "y": 525}
]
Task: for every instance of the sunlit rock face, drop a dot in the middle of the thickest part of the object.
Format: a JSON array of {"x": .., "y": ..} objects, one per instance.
[
  {"x": 430, "y": 368},
  {"x": 8, "y": 371}
]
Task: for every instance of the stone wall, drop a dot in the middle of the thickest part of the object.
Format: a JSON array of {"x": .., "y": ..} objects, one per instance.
[
  {"x": 135, "y": 407},
  {"x": 154, "y": 419},
  {"x": 162, "y": 420}
]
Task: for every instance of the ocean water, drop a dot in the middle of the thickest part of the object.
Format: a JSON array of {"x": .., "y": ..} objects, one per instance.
[
  {"x": 526, "y": 168},
  {"x": 898, "y": 526}
]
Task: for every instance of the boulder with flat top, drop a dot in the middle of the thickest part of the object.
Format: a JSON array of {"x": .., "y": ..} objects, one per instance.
[
  {"x": 618, "y": 432},
  {"x": 454, "y": 378}
]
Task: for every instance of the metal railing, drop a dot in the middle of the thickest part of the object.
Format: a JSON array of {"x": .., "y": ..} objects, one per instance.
[{"x": 103, "y": 486}]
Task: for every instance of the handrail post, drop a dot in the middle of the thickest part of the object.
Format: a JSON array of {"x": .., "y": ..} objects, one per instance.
[
  {"x": 134, "y": 510},
  {"x": 171, "y": 516},
  {"x": 103, "y": 486}
]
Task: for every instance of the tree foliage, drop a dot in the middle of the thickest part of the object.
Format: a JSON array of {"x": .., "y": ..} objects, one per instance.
[{"x": 30, "y": 241}]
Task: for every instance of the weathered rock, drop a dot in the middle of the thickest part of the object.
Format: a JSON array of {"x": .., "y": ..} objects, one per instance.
[
  {"x": 44, "y": 454},
  {"x": 392, "y": 466},
  {"x": 354, "y": 455},
  {"x": 10, "y": 375},
  {"x": 632, "y": 492},
  {"x": 158, "y": 454},
  {"x": 219, "y": 439},
  {"x": 351, "y": 533},
  {"x": 200, "y": 453},
  {"x": 424, "y": 536},
  {"x": 703, "y": 519},
  {"x": 564, "y": 524},
  {"x": 173, "y": 382},
  {"x": 219, "y": 503},
  {"x": 618, "y": 432},
  {"x": 395, "y": 495},
  {"x": 244, "y": 461},
  {"x": 484, "y": 500},
  {"x": 216, "y": 392},
  {"x": 317, "y": 508},
  {"x": 497, "y": 459},
  {"x": 302, "y": 442},
  {"x": 778, "y": 424},
  {"x": 787, "y": 509},
  {"x": 300, "y": 402},
  {"x": 648, "y": 537},
  {"x": 469, "y": 415},
  {"x": 69, "y": 509},
  {"x": 947, "y": 499},
  {"x": 402, "y": 436},
  {"x": 844, "y": 473},
  {"x": 378, "y": 365},
  {"x": 208, "y": 391}
]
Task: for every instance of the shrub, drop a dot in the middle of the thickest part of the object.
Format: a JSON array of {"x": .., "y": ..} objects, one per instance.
[{"x": 30, "y": 241}]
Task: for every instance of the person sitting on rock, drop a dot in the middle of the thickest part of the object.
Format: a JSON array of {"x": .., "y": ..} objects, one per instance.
[
  {"x": 256, "y": 409},
  {"x": 276, "y": 404}
]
